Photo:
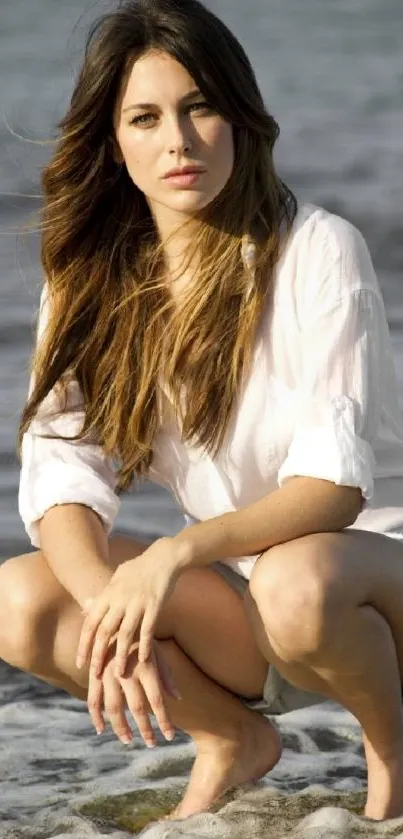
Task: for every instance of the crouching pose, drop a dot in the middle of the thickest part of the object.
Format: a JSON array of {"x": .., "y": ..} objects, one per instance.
[{"x": 201, "y": 328}]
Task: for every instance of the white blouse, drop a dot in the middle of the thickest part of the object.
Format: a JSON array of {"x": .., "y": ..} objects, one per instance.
[{"x": 321, "y": 400}]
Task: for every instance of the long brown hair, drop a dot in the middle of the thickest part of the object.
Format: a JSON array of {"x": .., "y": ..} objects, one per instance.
[{"x": 112, "y": 325}]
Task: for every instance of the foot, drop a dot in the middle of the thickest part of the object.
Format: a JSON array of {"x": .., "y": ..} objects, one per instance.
[
  {"x": 385, "y": 790},
  {"x": 385, "y": 785},
  {"x": 222, "y": 764}
]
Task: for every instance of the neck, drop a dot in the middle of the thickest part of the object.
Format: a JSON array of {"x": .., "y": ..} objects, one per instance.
[
  {"x": 181, "y": 265},
  {"x": 177, "y": 232}
]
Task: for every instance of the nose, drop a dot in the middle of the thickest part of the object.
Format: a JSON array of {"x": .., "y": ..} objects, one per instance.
[{"x": 178, "y": 132}]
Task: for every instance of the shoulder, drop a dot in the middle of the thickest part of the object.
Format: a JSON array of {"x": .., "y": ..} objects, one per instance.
[
  {"x": 337, "y": 243},
  {"x": 330, "y": 255}
]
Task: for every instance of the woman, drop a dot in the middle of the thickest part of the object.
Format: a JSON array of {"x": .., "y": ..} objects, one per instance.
[{"x": 204, "y": 331}]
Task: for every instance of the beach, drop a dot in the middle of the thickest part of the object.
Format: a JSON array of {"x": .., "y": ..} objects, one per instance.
[
  {"x": 58, "y": 778},
  {"x": 332, "y": 76}
]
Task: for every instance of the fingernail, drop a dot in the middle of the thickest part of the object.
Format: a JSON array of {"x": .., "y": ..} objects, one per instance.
[
  {"x": 126, "y": 740},
  {"x": 99, "y": 731},
  {"x": 150, "y": 744},
  {"x": 169, "y": 735},
  {"x": 177, "y": 694},
  {"x": 79, "y": 663}
]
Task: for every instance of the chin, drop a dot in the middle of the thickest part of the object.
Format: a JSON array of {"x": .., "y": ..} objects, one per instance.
[{"x": 191, "y": 203}]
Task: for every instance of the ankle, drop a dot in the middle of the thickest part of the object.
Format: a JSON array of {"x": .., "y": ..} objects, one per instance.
[
  {"x": 384, "y": 753},
  {"x": 232, "y": 735},
  {"x": 226, "y": 737}
]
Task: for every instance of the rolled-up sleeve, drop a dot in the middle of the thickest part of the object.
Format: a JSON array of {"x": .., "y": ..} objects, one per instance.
[
  {"x": 55, "y": 471},
  {"x": 345, "y": 362}
]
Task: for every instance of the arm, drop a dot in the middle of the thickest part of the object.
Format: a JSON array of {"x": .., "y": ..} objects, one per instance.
[
  {"x": 66, "y": 493},
  {"x": 302, "y": 505},
  {"x": 327, "y": 476},
  {"x": 75, "y": 546}
]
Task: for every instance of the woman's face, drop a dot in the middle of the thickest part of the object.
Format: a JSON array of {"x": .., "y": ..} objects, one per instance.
[{"x": 176, "y": 128}]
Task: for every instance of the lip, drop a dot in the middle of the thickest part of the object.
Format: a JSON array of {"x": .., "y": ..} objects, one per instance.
[
  {"x": 182, "y": 181},
  {"x": 185, "y": 170}
]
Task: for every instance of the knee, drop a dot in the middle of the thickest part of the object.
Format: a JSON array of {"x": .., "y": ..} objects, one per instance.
[
  {"x": 18, "y": 617},
  {"x": 296, "y": 593}
]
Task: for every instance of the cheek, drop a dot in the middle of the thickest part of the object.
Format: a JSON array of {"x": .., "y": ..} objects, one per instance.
[
  {"x": 138, "y": 155},
  {"x": 221, "y": 142},
  {"x": 135, "y": 150}
]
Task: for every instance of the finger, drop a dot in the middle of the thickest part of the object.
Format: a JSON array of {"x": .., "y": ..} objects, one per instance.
[
  {"x": 94, "y": 701},
  {"x": 115, "y": 707},
  {"x": 147, "y": 630},
  {"x": 88, "y": 630},
  {"x": 106, "y": 629},
  {"x": 138, "y": 706},
  {"x": 149, "y": 677},
  {"x": 125, "y": 637}
]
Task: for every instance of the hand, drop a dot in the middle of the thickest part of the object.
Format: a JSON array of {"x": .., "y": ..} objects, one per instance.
[
  {"x": 142, "y": 682},
  {"x": 135, "y": 593}
]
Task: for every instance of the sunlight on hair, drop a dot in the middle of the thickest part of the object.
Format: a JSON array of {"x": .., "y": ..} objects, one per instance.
[{"x": 113, "y": 325}]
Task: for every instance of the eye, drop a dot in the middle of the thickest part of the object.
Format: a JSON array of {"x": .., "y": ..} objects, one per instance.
[
  {"x": 138, "y": 120},
  {"x": 204, "y": 105},
  {"x": 142, "y": 119}
]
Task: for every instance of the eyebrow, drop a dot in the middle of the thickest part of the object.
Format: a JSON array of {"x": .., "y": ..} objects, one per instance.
[{"x": 190, "y": 95}]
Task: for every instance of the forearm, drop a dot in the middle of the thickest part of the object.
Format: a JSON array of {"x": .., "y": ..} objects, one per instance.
[
  {"x": 75, "y": 546},
  {"x": 301, "y": 506}
]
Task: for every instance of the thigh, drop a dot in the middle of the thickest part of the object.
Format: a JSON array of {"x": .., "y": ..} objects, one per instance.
[
  {"x": 353, "y": 567},
  {"x": 372, "y": 567},
  {"x": 205, "y": 615},
  {"x": 40, "y": 622},
  {"x": 211, "y": 625},
  {"x": 28, "y": 584},
  {"x": 32, "y": 567}
]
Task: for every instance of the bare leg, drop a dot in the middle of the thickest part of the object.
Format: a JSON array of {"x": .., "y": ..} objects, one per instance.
[
  {"x": 360, "y": 663},
  {"x": 371, "y": 694},
  {"x": 233, "y": 743}
]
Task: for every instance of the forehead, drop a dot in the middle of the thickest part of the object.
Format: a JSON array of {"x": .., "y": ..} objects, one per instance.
[{"x": 154, "y": 77}]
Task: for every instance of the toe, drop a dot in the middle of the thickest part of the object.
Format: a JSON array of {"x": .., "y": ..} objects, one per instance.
[{"x": 172, "y": 815}]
